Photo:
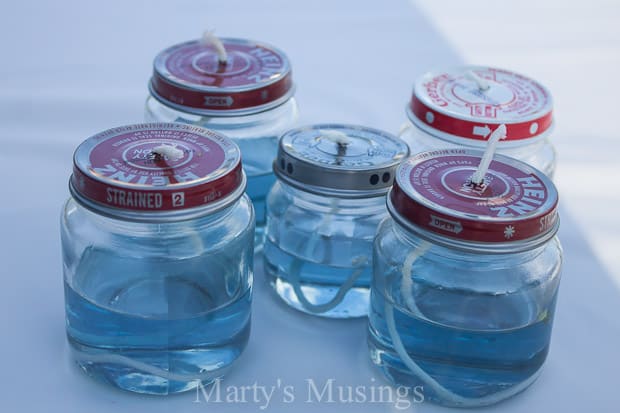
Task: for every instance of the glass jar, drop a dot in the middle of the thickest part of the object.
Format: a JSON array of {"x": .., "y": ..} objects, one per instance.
[
  {"x": 460, "y": 107},
  {"x": 249, "y": 99},
  {"x": 157, "y": 257},
  {"x": 323, "y": 213},
  {"x": 465, "y": 278}
]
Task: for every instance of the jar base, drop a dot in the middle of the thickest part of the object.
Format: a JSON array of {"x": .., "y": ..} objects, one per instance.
[
  {"x": 142, "y": 371},
  {"x": 155, "y": 335},
  {"x": 317, "y": 289},
  {"x": 353, "y": 305},
  {"x": 467, "y": 379}
]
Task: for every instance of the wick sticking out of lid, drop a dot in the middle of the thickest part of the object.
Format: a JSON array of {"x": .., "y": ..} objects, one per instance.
[
  {"x": 339, "y": 138},
  {"x": 209, "y": 38},
  {"x": 171, "y": 152},
  {"x": 482, "y": 83},
  {"x": 477, "y": 178}
]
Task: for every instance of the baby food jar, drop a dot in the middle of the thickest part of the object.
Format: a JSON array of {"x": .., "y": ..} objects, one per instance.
[
  {"x": 323, "y": 213},
  {"x": 157, "y": 246},
  {"x": 460, "y": 107},
  {"x": 465, "y": 278},
  {"x": 249, "y": 98}
]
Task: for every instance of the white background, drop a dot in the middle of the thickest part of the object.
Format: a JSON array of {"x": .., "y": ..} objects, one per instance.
[{"x": 70, "y": 69}]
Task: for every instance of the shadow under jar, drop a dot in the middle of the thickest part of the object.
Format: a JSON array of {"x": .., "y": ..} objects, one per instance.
[
  {"x": 157, "y": 246},
  {"x": 323, "y": 213},
  {"x": 465, "y": 278},
  {"x": 249, "y": 99},
  {"x": 460, "y": 107}
]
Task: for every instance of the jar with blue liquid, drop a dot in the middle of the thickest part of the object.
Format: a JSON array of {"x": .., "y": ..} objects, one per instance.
[
  {"x": 241, "y": 88},
  {"x": 322, "y": 215},
  {"x": 459, "y": 107},
  {"x": 157, "y": 247},
  {"x": 466, "y": 277}
]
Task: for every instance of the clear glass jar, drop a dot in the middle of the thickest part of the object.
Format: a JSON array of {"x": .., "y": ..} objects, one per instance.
[
  {"x": 157, "y": 296},
  {"x": 460, "y": 107},
  {"x": 323, "y": 213},
  {"x": 317, "y": 246},
  {"x": 257, "y": 76},
  {"x": 464, "y": 306}
]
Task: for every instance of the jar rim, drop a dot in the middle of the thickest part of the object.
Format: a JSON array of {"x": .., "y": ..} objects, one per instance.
[
  {"x": 326, "y": 191},
  {"x": 159, "y": 216},
  {"x": 472, "y": 246},
  {"x": 464, "y": 140}
]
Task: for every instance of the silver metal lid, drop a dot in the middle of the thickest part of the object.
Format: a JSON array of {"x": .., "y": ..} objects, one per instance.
[{"x": 339, "y": 160}]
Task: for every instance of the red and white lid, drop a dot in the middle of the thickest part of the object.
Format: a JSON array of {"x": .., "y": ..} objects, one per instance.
[
  {"x": 470, "y": 101},
  {"x": 190, "y": 77},
  {"x": 433, "y": 191},
  {"x": 156, "y": 167}
]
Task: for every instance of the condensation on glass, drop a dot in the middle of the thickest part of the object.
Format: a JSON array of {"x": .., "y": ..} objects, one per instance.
[
  {"x": 249, "y": 99},
  {"x": 323, "y": 213},
  {"x": 465, "y": 278},
  {"x": 460, "y": 107},
  {"x": 157, "y": 247}
]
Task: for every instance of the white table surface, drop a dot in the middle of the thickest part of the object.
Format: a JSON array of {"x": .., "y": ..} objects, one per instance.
[{"x": 73, "y": 68}]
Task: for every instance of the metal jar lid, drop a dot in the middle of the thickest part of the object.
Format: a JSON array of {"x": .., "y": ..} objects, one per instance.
[
  {"x": 470, "y": 101},
  {"x": 145, "y": 169},
  {"x": 339, "y": 160},
  {"x": 433, "y": 192},
  {"x": 190, "y": 78}
]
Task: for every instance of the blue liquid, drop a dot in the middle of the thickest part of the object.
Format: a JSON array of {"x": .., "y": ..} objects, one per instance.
[
  {"x": 257, "y": 190},
  {"x": 319, "y": 282},
  {"x": 477, "y": 356},
  {"x": 257, "y": 157},
  {"x": 188, "y": 318}
]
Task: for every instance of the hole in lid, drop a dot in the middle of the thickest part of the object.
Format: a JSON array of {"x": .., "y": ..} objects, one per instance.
[
  {"x": 374, "y": 179},
  {"x": 289, "y": 168},
  {"x": 386, "y": 177}
]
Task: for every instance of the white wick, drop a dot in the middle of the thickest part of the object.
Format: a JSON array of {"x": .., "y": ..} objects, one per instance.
[
  {"x": 171, "y": 152},
  {"x": 482, "y": 83},
  {"x": 209, "y": 38},
  {"x": 483, "y": 167},
  {"x": 335, "y": 136}
]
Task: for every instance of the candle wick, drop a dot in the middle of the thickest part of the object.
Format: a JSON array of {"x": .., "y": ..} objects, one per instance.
[
  {"x": 209, "y": 38},
  {"x": 482, "y": 83},
  {"x": 339, "y": 138},
  {"x": 170, "y": 152},
  {"x": 477, "y": 178}
]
